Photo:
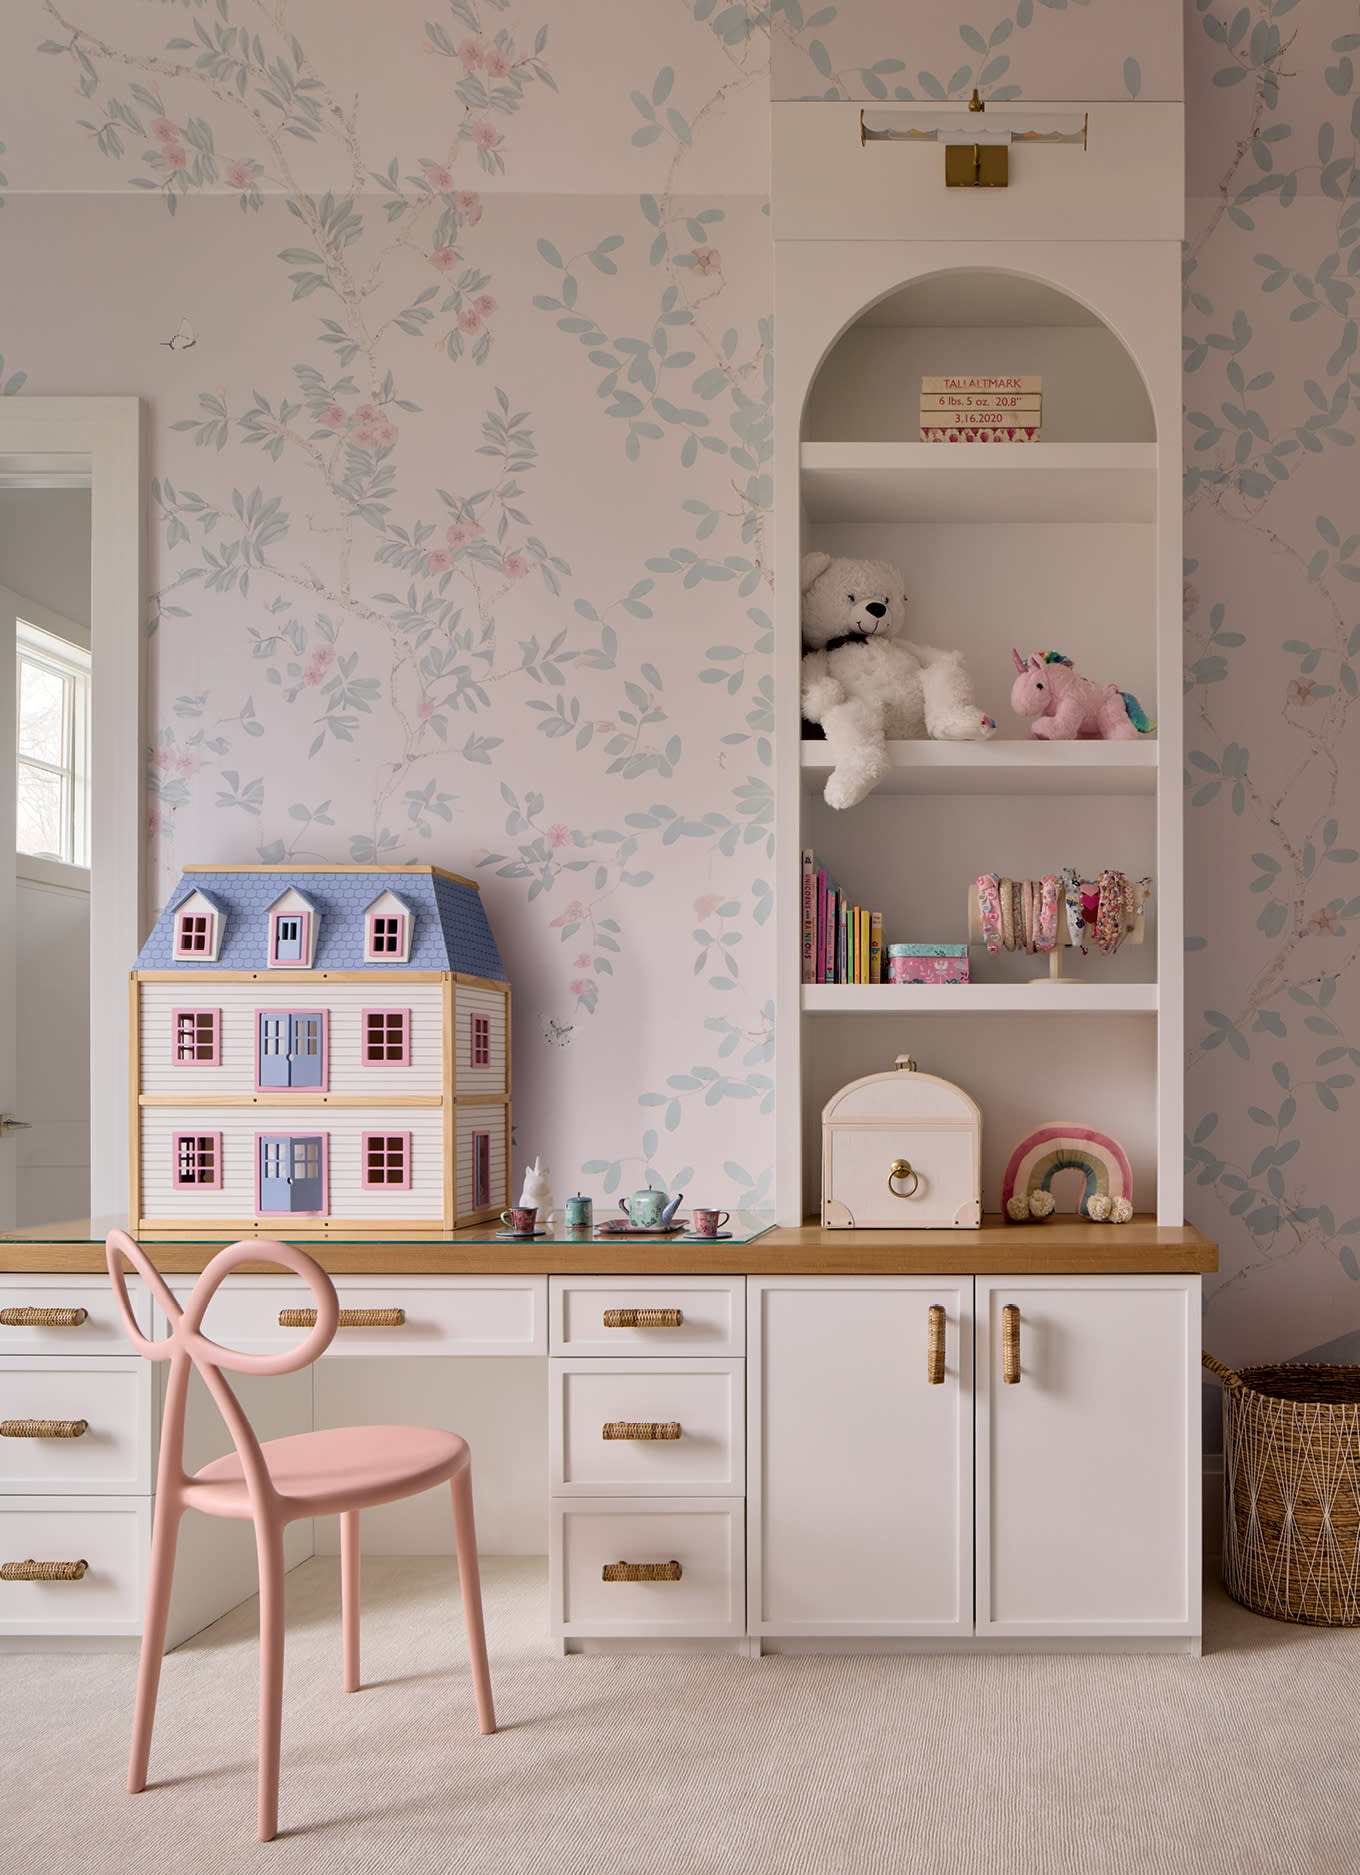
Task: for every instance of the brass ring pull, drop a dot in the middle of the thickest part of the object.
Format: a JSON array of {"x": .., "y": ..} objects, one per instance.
[
  {"x": 43, "y": 1428},
  {"x": 1010, "y": 1345},
  {"x": 31, "y": 1571},
  {"x": 641, "y": 1572},
  {"x": 935, "y": 1345},
  {"x": 901, "y": 1168},
  {"x": 640, "y": 1429},
  {"x": 347, "y": 1318},
  {"x": 42, "y": 1318}
]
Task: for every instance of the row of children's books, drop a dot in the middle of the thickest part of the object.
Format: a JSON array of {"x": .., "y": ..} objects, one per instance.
[{"x": 842, "y": 943}]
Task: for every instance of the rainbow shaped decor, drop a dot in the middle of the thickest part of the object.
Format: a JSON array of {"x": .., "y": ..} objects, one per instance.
[{"x": 1059, "y": 1146}]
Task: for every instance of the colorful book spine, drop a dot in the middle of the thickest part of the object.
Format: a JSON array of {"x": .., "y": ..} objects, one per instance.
[
  {"x": 843, "y": 944},
  {"x": 832, "y": 927},
  {"x": 819, "y": 962},
  {"x": 809, "y": 915},
  {"x": 981, "y": 383},
  {"x": 875, "y": 946}
]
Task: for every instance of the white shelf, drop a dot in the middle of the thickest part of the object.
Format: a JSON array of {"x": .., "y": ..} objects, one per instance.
[
  {"x": 1037, "y": 998},
  {"x": 966, "y": 482},
  {"x": 1003, "y": 767}
]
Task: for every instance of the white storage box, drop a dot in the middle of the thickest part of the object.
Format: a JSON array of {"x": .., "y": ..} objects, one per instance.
[{"x": 901, "y": 1150}]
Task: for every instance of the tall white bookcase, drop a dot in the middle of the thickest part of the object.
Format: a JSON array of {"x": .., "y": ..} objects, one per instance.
[{"x": 1072, "y": 543}]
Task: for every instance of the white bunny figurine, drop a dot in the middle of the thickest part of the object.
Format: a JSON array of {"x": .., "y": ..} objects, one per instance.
[{"x": 538, "y": 1191}]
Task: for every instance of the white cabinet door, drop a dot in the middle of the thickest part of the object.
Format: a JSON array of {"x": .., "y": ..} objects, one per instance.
[
  {"x": 1087, "y": 1465},
  {"x": 860, "y": 1466}
]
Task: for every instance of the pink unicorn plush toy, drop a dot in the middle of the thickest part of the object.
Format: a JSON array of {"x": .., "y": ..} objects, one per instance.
[{"x": 1065, "y": 705}]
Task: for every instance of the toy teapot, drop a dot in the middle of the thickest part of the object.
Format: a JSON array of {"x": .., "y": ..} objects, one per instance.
[{"x": 650, "y": 1209}]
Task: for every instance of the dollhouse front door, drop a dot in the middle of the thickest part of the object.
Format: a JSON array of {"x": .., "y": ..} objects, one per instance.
[
  {"x": 292, "y": 1051},
  {"x": 291, "y": 1172}
]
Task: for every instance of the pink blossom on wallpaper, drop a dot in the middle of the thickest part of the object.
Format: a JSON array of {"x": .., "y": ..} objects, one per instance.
[
  {"x": 514, "y": 565},
  {"x": 333, "y": 418},
  {"x": 574, "y": 914},
  {"x": 706, "y": 906},
  {"x": 558, "y": 835},
  {"x": 324, "y": 655},
  {"x": 468, "y": 321},
  {"x": 1189, "y": 599},
  {"x": 605, "y": 727},
  {"x": 1324, "y": 923},
  {"x": 497, "y": 65},
  {"x": 707, "y": 260},
  {"x": 374, "y": 431},
  {"x": 444, "y": 259},
  {"x": 438, "y": 560},
  {"x": 485, "y": 305},
  {"x": 164, "y": 131},
  {"x": 458, "y": 535},
  {"x": 175, "y": 155},
  {"x": 1301, "y": 690},
  {"x": 470, "y": 207},
  {"x": 578, "y": 986},
  {"x": 485, "y": 136},
  {"x": 438, "y": 177},
  {"x": 583, "y": 960},
  {"x": 424, "y": 709},
  {"x": 241, "y": 175},
  {"x": 472, "y": 55}
]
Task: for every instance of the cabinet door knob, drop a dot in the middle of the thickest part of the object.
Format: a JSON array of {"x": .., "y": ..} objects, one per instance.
[
  {"x": 901, "y": 1169},
  {"x": 935, "y": 1345},
  {"x": 1010, "y": 1345}
]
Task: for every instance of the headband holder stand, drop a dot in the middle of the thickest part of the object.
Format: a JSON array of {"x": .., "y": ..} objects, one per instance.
[{"x": 1134, "y": 933}]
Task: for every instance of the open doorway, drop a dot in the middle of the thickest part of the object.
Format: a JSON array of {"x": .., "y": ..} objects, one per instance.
[
  {"x": 45, "y": 634},
  {"x": 71, "y": 916}
]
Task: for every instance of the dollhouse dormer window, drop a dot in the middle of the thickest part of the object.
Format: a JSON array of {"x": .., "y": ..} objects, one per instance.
[
  {"x": 292, "y": 932},
  {"x": 387, "y": 931},
  {"x": 198, "y": 930}
]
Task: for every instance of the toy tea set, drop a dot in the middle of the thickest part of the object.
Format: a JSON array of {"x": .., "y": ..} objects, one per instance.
[{"x": 647, "y": 1213}]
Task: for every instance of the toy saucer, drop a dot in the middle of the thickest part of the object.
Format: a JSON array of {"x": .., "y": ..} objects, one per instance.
[
  {"x": 624, "y": 1227},
  {"x": 520, "y": 1236},
  {"x": 707, "y": 1236}
]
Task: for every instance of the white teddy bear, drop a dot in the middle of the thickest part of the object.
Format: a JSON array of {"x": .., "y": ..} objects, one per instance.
[{"x": 864, "y": 682}]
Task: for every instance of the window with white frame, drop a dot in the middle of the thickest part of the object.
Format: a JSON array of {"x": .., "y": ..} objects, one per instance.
[{"x": 52, "y": 746}]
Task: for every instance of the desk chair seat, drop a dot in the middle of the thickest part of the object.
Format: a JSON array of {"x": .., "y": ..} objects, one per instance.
[{"x": 312, "y": 1474}]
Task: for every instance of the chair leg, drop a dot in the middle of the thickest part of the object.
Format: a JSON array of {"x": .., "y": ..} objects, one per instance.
[
  {"x": 164, "y": 1537},
  {"x": 269, "y": 1549},
  {"x": 470, "y": 1582},
  {"x": 349, "y": 1597}
]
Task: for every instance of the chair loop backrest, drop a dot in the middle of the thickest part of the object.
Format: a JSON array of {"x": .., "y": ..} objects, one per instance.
[{"x": 186, "y": 1345}]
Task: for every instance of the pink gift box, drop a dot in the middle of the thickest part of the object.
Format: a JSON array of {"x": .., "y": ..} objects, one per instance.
[{"x": 927, "y": 969}]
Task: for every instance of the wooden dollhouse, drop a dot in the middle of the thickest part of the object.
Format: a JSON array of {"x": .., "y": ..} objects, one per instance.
[{"x": 327, "y": 1045}]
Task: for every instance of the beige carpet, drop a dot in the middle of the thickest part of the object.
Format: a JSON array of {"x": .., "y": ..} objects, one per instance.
[{"x": 1245, "y": 1761}]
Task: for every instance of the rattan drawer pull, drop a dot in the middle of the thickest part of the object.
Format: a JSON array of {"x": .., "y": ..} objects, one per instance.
[
  {"x": 348, "y": 1318},
  {"x": 640, "y": 1572},
  {"x": 643, "y": 1318},
  {"x": 31, "y": 1571},
  {"x": 640, "y": 1429},
  {"x": 43, "y": 1318},
  {"x": 935, "y": 1345},
  {"x": 1010, "y": 1345},
  {"x": 43, "y": 1428}
]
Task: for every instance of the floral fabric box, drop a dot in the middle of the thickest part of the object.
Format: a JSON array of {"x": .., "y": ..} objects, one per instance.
[{"x": 937, "y": 967}]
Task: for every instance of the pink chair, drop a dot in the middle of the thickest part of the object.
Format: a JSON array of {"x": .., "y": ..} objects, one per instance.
[{"x": 314, "y": 1474}]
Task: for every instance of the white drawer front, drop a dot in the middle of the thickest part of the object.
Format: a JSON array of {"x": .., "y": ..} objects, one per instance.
[
  {"x": 712, "y": 1312},
  {"x": 113, "y": 1540},
  {"x": 704, "y": 1398},
  {"x": 460, "y": 1315},
  {"x": 705, "y": 1536},
  {"x": 112, "y": 1454},
  {"x": 100, "y": 1333}
]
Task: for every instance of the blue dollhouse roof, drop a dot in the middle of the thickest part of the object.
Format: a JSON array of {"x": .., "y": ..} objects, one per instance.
[{"x": 449, "y": 925}]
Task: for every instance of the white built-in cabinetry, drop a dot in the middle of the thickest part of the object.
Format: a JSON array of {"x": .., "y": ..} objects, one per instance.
[
  {"x": 1071, "y": 543},
  {"x": 893, "y": 1497}
]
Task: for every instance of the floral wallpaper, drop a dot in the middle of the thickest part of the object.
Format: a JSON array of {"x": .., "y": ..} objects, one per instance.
[{"x": 452, "y": 319}]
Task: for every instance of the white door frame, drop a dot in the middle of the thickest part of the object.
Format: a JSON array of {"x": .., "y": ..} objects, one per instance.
[{"x": 107, "y": 433}]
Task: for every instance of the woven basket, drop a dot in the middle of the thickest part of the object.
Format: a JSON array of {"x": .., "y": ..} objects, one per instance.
[{"x": 1291, "y": 1491}]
